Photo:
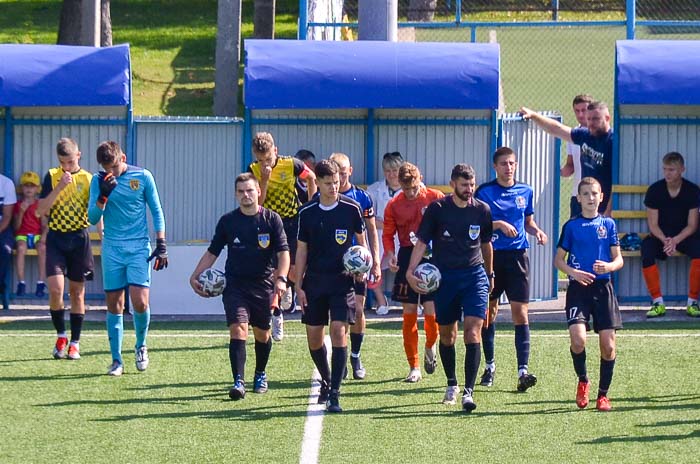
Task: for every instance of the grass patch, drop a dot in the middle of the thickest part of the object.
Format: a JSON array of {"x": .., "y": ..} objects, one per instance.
[{"x": 179, "y": 410}]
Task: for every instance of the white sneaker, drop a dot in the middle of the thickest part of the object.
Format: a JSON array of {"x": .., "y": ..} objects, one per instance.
[
  {"x": 286, "y": 301},
  {"x": 413, "y": 376},
  {"x": 278, "y": 327},
  {"x": 116, "y": 369},
  {"x": 142, "y": 358},
  {"x": 451, "y": 395},
  {"x": 468, "y": 404},
  {"x": 430, "y": 360},
  {"x": 382, "y": 310}
]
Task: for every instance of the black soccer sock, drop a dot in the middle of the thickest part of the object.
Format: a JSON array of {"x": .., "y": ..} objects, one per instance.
[
  {"x": 339, "y": 359},
  {"x": 320, "y": 358},
  {"x": 276, "y": 312},
  {"x": 262, "y": 354},
  {"x": 236, "y": 355},
  {"x": 447, "y": 356},
  {"x": 580, "y": 365},
  {"x": 606, "y": 375},
  {"x": 76, "y": 326},
  {"x": 356, "y": 342},
  {"x": 59, "y": 320},
  {"x": 472, "y": 358},
  {"x": 522, "y": 345},
  {"x": 488, "y": 339}
]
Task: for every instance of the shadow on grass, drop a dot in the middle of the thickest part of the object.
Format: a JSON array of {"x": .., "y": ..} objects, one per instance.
[{"x": 646, "y": 439}]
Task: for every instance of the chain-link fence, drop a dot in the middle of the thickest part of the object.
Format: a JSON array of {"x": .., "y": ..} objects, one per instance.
[{"x": 551, "y": 50}]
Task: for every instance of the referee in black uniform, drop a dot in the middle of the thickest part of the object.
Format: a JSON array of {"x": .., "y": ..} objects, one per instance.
[
  {"x": 255, "y": 240},
  {"x": 325, "y": 291}
]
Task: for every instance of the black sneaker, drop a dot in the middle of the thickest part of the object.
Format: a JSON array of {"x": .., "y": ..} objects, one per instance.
[
  {"x": 21, "y": 289},
  {"x": 323, "y": 392},
  {"x": 526, "y": 381},
  {"x": 237, "y": 391},
  {"x": 487, "y": 378},
  {"x": 468, "y": 404},
  {"x": 333, "y": 404},
  {"x": 358, "y": 370},
  {"x": 40, "y": 290}
]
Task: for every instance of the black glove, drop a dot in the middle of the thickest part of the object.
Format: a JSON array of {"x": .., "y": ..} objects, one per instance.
[
  {"x": 107, "y": 182},
  {"x": 160, "y": 253}
]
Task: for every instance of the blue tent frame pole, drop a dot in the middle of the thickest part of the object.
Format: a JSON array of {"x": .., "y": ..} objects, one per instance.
[
  {"x": 631, "y": 13},
  {"x": 303, "y": 19},
  {"x": 8, "y": 144},
  {"x": 247, "y": 140},
  {"x": 369, "y": 149}
]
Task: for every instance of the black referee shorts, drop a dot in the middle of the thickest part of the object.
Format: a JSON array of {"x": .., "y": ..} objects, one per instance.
[
  {"x": 329, "y": 298},
  {"x": 248, "y": 302}
]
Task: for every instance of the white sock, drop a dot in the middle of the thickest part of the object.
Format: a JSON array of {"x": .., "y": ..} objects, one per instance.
[
  {"x": 491, "y": 366},
  {"x": 691, "y": 301},
  {"x": 522, "y": 371},
  {"x": 659, "y": 300}
]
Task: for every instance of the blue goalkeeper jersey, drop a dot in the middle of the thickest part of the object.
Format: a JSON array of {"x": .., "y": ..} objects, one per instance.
[{"x": 125, "y": 212}]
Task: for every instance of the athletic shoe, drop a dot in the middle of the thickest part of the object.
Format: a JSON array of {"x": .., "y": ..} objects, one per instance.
[
  {"x": 294, "y": 309},
  {"x": 59, "y": 349},
  {"x": 487, "y": 378},
  {"x": 40, "y": 290},
  {"x": 603, "y": 404},
  {"x": 526, "y": 381},
  {"x": 413, "y": 376},
  {"x": 260, "y": 383},
  {"x": 277, "y": 327},
  {"x": 21, "y": 289},
  {"x": 451, "y": 395},
  {"x": 333, "y": 403},
  {"x": 324, "y": 391},
  {"x": 382, "y": 310},
  {"x": 74, "y": 351},
  {"x": 237, "y": 391},
  {"x": 358, "y": 370},
  {"x": 693, "y": 310},
  {"x": 468, "y": 404},
  {"x": 582, "y": 394},
  {"x": 142, "y": 358},
  {"x": 430, "y": 360},
  {"x": 657, "y": 310},
  {"x": 287, "y": 300},
  {"x": 116, "y": 369}
]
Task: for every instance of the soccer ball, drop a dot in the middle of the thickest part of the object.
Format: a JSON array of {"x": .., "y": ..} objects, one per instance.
[
  {"x": 357, "y": 260},
  {"x": 213, "y": 281},
  {"x": 428, "y": 277}
]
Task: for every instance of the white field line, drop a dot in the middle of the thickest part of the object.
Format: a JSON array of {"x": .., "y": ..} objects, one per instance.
[{"x": 313, "y": 426}]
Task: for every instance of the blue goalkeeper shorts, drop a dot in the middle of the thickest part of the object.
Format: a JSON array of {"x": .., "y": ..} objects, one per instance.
[{"x": 125, "y": 264}]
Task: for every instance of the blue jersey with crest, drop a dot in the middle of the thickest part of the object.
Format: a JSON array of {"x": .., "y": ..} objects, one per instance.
[
  {"x": 587, "y": 240},
  {"x": 512, "y": 205}
]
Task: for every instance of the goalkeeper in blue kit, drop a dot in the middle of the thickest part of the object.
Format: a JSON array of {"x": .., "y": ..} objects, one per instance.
[{"x": 119, "y": 195}]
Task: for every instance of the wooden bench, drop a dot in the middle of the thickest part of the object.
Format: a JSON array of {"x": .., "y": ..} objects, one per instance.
[{"x": 94, "y": 237}]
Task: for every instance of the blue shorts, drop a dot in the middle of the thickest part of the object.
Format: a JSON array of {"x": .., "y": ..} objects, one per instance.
[
  {"x": 124, "y": 265},
  {"x": 462, "y": 292}
]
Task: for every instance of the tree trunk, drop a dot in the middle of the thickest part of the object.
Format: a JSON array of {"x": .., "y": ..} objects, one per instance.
[
  {"x": 228, "y": 45},
  {"x": 70, "y": 23},
  {"x": 421, "y": 10},
  {"x": 106, "y": 28},
  {"x": 264, "y": 19}
]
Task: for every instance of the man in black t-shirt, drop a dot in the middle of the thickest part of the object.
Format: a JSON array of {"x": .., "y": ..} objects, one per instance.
[
  {"x": 255, "y": 239},
  {"x": 460, "y": 228},
  {"x": 672, "y": 215},
  {"x": 325, "y": 292}
]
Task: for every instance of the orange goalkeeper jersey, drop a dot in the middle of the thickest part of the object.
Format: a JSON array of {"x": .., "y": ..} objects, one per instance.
[{"x": 403, "y": 216}]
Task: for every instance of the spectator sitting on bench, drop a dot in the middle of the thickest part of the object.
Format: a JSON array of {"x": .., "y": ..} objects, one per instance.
[
  {"x": 672, "y": 214},
  {"x": 28, "y": 232}
]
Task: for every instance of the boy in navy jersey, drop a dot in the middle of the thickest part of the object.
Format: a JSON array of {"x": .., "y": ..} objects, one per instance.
[
  {"x": 256, "y": 240},
  {"x": 512, "y": 211},
  {"x": 357, "y": 330},
  {"x": 325, "y": 292},
  {"x": 460, "y": 228},
  {"x": 593, "y": 249}
]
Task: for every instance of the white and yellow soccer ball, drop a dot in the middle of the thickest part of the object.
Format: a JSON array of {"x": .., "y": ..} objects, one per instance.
[
  {"x": 357, "y": 260},
  {"x": 428, "y": 277},
  {"x": 213, "y": 281}
]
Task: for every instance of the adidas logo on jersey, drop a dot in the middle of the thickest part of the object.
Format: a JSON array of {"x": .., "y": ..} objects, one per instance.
[
  {"x": 235, "y": 240},
  {"x": 446, "y": 234}
]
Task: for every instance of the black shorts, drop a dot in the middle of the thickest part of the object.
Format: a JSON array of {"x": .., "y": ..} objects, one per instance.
[
  {"x": 248, "y": 302},
  {"x": 360, "y": 287},
  {"x": 70, "y": 254},
  {"x": 291, "y": 230},
  {"x": 596, "y": 300},
  {"x": 653, "y": 249},
  {"x": 512, "y": 269},
  {"x": 329, "y": 297},
  {"x": 402, "y": 292}
]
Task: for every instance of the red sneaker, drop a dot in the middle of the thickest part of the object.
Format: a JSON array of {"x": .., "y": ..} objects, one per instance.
[
  {"x": 603, "y": 404},
  {"x": 59, "y": 350},
  {"x": 73, "y": 351},
  {"x": 582, "y": 394}
]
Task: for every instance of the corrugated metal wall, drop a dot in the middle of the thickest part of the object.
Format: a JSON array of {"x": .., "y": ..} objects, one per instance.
[
  {"x": 642, "y": 146},
  {"x": 538, "y": 164}
]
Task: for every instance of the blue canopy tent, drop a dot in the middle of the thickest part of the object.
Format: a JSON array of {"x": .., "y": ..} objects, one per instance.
[
  {"x": 657, "y": 110},
  {"x": 321, "y": 78}
]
